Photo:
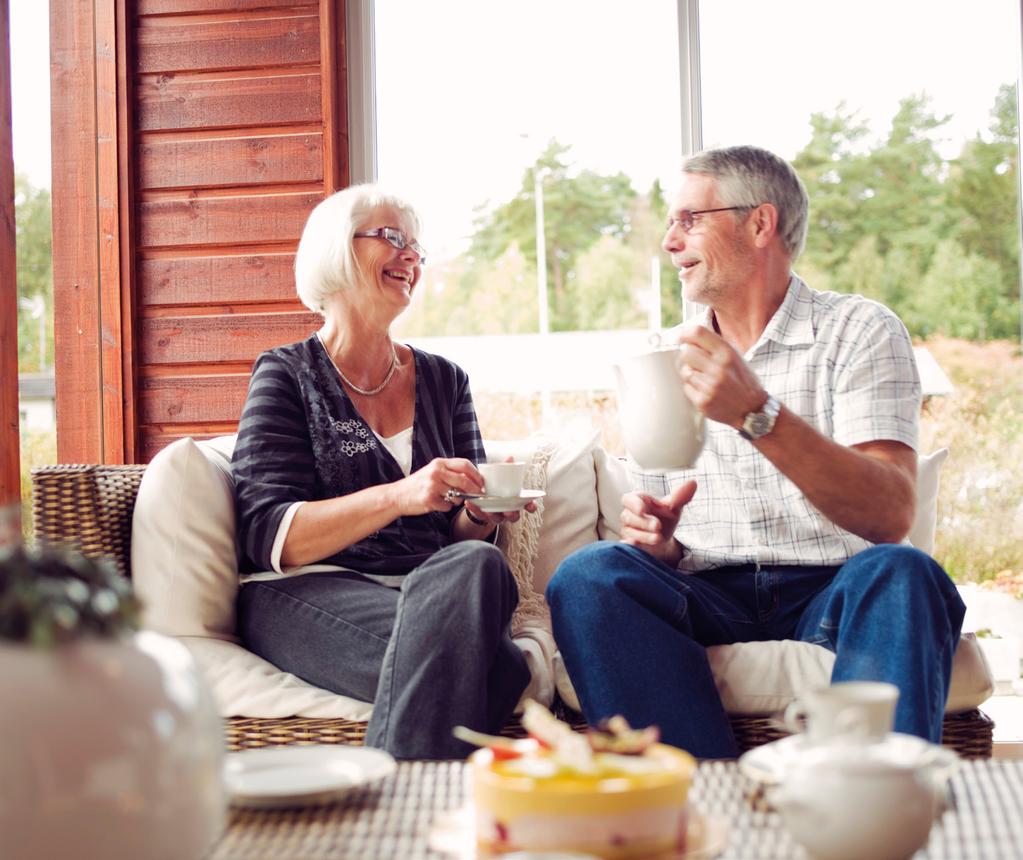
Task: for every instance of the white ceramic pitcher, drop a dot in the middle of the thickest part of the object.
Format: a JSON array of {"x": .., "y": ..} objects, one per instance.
[
  {"x": 663, "y": 431},
  {"x": 842, "y": 803}
]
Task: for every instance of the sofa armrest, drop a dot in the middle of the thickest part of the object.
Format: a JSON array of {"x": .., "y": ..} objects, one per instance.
[{"x": 88, "y": 508}]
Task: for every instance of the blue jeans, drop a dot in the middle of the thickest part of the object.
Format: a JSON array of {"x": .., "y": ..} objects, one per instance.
[
  {"x": 435, "y": 654},
  {"x": 633, "y": 633}
]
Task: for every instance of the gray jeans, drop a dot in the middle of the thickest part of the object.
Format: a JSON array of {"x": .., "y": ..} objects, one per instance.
[{"x": 435, "y": 654}]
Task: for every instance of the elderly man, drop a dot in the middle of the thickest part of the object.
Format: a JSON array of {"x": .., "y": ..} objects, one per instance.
[{"x": 789, "y": 525}]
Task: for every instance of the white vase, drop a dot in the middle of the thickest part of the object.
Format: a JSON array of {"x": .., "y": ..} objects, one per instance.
[{"x": 109, "y": 749}]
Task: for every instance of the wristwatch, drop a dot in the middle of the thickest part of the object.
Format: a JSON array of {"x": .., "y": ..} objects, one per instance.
[{"x": 760, "y": 423}]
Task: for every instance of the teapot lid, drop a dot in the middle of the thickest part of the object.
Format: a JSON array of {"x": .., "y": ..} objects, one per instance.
[{"x": 864, "y": 759}]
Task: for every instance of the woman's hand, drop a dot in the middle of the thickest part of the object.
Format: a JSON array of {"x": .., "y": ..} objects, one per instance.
[
  {"x": 497, "y": 518},
  {"x": 650, "y": 523},
  {"x": 429, "y": 488}
]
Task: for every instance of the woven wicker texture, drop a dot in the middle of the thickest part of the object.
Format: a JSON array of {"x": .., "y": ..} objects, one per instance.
[
  {"x": 90, "y": 508},
  {"x": 393, "y": 819}
]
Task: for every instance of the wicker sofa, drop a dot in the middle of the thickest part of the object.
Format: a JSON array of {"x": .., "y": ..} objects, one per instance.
[{"x": 91, "y": 507}]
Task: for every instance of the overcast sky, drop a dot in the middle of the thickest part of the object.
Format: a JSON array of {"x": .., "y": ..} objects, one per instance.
[{"x": 471, "y": 90}]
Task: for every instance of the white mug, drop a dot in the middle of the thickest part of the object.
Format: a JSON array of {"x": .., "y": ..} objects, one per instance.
[
  {"x": 849, "y": 710},
  {"x": 503, "y": 480}
]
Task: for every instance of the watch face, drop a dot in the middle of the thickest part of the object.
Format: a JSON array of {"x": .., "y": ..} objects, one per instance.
[{"x": 761, "y": 424}]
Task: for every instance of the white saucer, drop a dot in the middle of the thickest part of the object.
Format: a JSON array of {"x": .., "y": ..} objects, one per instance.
[
  {"x": 767, "y": 764},
  {"x": 301, "y": 776},
  {"x": 502, "y": 504},
  {"x": 453, "y": 833}
]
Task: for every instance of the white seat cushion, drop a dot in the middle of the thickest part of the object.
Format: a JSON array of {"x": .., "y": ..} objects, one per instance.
[{"x": 184, "y": 565}]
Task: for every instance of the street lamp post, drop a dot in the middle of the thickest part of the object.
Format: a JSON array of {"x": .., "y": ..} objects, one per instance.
[
  {"x": 541, "y": 283},
  {"x": 541, "y": 252}
]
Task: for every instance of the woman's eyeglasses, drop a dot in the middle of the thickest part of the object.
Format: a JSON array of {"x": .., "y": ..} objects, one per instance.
[{"x": 396, "y": 238}]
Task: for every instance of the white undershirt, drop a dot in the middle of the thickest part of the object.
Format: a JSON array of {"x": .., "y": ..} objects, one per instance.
[{"x": 400, "y": 447}]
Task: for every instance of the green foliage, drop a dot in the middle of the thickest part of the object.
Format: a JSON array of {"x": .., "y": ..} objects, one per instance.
[
  {"x": 937, "y": 242},
  {"x": 579, "y": 208},
  {"x": 35, "y": 275},
  {"x": 38, "y": 448},
  {"x": 980, "y": 508},
  {"x": 48, "y": 596}
]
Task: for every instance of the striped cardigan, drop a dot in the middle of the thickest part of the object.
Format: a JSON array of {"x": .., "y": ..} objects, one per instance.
[{"x": 302, "y": 439}]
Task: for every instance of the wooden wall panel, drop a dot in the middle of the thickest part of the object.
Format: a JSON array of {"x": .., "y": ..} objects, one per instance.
[
  {"x": 228, "y": 44},
  {"x": 10, "y": 449},
  {"x": 225, "y": 161},
  {"x": 177, "y": 7},
  {"x": 220, "y": 338},
  {"x": 75, "y": 198},
  {"x": 236, "y": 142},
  {"x": 225, "y": 279},
  {"x": 181, "y": 102},
  {"x": 224, "y": 220},
  {"x": 214, "y": 129},
  {"x": 194, "y": 399}
]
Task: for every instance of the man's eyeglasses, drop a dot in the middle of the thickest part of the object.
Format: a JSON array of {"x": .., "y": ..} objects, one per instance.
[
  {"x": 396, "y": 238},
  {"x": 687, "y": 220}
]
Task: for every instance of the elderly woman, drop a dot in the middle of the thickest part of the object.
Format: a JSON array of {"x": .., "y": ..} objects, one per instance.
[{"x": 377, "y": 581}]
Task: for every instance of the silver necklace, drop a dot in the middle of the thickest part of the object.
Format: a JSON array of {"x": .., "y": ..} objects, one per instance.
[{"x": 364, "y": 391}]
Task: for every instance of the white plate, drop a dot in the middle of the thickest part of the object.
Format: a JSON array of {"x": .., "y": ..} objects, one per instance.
[
  {"x": 301, "y": 776},
  {"x": 501, "y": 504},
  {"x": 767, "y": 763},
  {"x": 453, "y": 834}
]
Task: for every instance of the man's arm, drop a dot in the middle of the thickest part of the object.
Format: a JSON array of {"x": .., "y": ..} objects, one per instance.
[{"x": 868, "y": 489}]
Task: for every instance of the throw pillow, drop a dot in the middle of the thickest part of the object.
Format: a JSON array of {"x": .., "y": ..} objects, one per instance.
[
  {"x": 183, "y": 556},
  {"x": 565, "y": 520},
  {"x": 928, "y": 468}
]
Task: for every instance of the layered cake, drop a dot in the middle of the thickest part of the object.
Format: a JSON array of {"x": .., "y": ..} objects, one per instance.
[{"x": 613, "y": 793}]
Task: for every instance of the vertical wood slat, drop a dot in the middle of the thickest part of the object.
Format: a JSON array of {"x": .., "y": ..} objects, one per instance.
[
  {"x": 110, "y": 83},
  {"x": 334, "y": 95},
  {"x": 126, "y": 227},
  {"x": 10, "y": 457},
  {"x": 76, "y": 268}
]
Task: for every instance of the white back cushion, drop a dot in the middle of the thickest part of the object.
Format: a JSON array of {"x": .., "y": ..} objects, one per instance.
[
  {"x": 183, "y": 556},
  {"x": 185, "y": 570}
]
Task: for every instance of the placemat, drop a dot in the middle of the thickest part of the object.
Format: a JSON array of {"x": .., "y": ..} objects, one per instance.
[{"x": 393, "y": 819}]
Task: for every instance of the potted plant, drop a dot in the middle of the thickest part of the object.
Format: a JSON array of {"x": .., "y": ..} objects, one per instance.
[{"x": 112, "y": 746}]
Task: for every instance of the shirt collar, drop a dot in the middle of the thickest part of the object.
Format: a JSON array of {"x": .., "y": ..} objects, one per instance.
[{"x": 792, "y": 324}]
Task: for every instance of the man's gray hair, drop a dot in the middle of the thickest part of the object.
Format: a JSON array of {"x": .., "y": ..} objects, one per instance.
[
  {"x": 325, "y": 261},
  {"x": 749, "y": 176}
]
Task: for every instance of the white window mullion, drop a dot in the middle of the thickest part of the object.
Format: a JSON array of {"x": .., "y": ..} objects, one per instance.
[
  {"x": 360, "y": 43},
  {"x": 689, "y": 92},
  {"x": 689, "y": 75}
]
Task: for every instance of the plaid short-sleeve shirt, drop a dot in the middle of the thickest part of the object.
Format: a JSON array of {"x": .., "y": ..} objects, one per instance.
[{"x": 844, "y": 364}]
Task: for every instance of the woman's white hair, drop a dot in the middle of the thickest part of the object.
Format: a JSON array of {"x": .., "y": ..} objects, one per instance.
[{"x": 325, "y": 261}]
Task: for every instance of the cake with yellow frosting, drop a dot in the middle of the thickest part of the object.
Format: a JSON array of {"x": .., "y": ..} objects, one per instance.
[{"x": 613, "y": 794}]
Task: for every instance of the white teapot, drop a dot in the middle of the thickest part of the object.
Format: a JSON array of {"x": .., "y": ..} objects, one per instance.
[
  {"x": 849, "y": 803},
  {"x": 662, "y": 429}
]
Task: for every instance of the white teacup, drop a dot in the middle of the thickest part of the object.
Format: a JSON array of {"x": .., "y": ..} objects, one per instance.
[
  {"x": 503, "y": 480},
  {"x": 848, "y": 710}
]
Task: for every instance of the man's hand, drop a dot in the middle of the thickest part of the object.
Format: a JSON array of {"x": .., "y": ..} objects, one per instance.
[
  {"x": 716, "y": 378},
  {"x": 650, "y": 523}
]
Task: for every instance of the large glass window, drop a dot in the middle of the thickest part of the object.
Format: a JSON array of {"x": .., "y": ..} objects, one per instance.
[
  {"x": 30, "y": 97},
  {"x": 900, "y": 117},
  {"x": 902, "y": 120},
  {"x": 525, "y": 132}
]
